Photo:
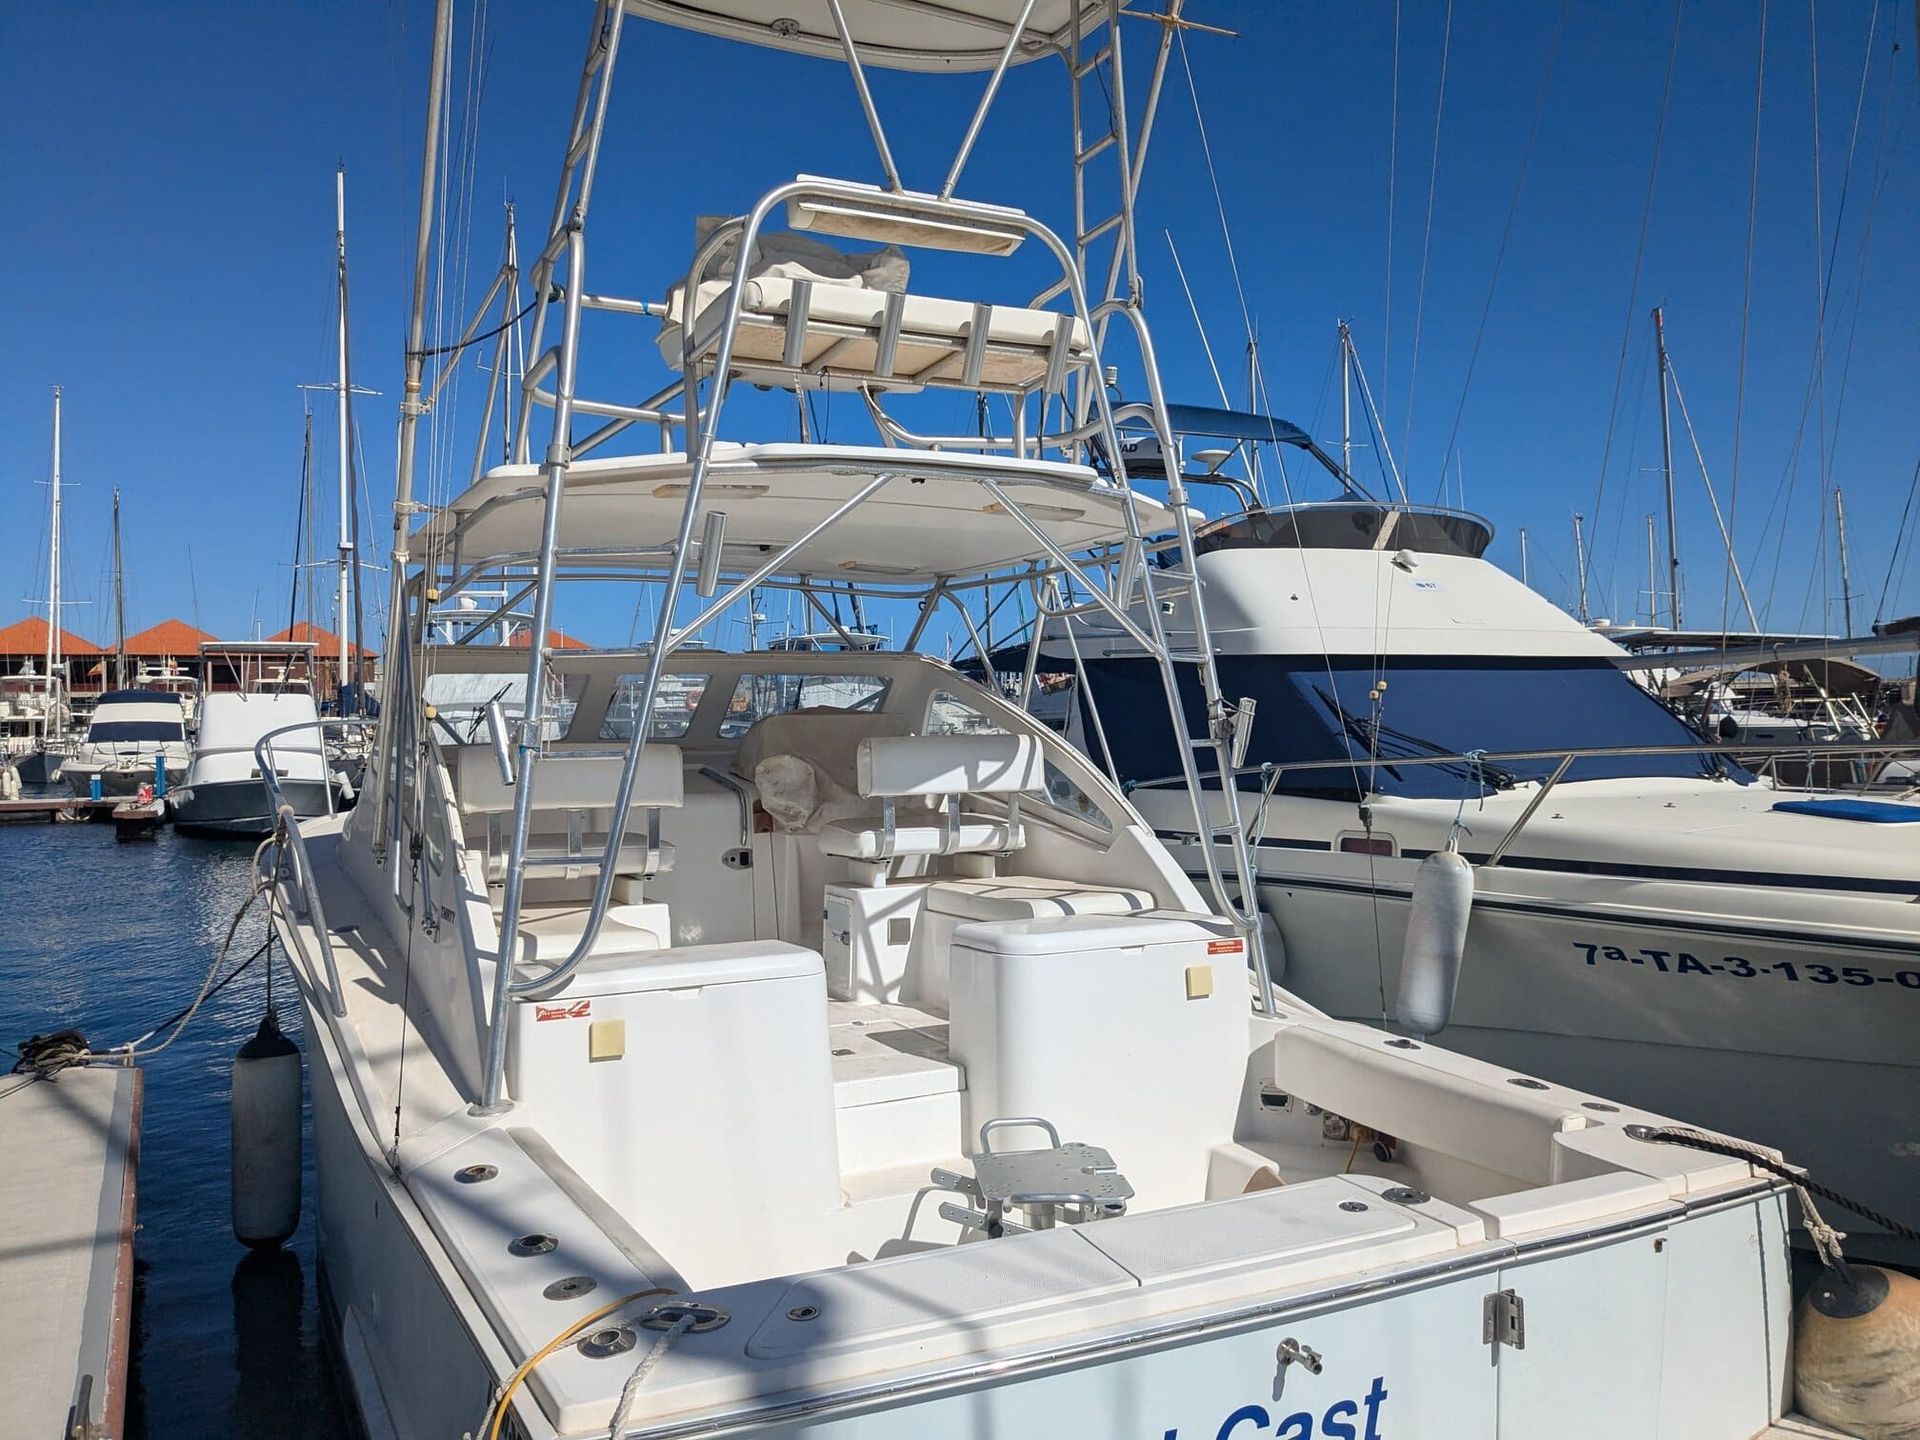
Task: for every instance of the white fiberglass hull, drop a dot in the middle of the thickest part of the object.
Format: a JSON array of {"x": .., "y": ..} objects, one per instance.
[
  {"x": 1792, "y": 1021},
  {"x": 1696, "y": 1293},
  {"x": 121, "y": 771},
  {"x": 421, "y": 1357}
]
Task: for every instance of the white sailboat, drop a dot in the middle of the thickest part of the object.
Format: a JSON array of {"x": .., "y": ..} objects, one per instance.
[
  {"x": 870, "y": 1068},
  {"x": 35, "y": 709},
  {"x": 138, "y": 733}
]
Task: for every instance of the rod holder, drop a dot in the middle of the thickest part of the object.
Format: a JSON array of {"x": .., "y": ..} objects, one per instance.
[
  {"x": 502, "y": 746},
  {"x": 712, "y": 542}
]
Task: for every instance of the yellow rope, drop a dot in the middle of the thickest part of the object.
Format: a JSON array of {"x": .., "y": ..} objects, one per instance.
[{"x": 498, "y": 1415}]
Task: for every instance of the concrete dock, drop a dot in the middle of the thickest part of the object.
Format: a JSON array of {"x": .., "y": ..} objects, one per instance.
[{"x": 71, "y": 1145}]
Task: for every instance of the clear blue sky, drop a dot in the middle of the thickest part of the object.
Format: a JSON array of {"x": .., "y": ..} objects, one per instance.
[{"x": 167, "y": 174}]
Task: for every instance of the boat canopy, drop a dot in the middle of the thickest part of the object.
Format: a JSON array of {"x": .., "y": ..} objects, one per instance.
[
  {"x": 935, "y": 514},
  {"x": 1209, "y": 422},
  {"x": 925, "y": 35},
  {"x": 1828, "y": 675}
]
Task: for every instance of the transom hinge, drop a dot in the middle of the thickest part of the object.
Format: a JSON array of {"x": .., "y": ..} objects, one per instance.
[{"x": 1503, "y": 1320}]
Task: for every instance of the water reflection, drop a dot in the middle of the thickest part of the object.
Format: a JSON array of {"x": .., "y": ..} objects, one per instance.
[{"x": 111, "y": 939}]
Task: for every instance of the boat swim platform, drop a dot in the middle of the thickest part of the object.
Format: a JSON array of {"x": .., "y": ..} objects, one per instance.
[
  {"x": 71, "y": 1143},
  {"x": 58, "y": 808}
]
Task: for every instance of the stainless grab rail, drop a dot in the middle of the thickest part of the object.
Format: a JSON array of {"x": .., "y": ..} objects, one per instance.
[
  {"x": 292, "y": 844},
  {"x": 293, "y": 853},
  {"x": 1564, "y": 758}
]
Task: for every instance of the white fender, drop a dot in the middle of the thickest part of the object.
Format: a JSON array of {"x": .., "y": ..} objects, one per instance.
[
  {"x": 266, "y": 1137},
  {"x": 1436, "y": 940}
]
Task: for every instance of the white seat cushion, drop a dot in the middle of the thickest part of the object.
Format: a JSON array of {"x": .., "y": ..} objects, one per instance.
[
  {"x": 630, "y": 860},
  {"x": 565, "y": 781},
  {"x": 976, "y": 835},
  {"x": 931, "y": 329},
  {"x": 990, "y": 764},
  {"x": 547, "y": 936},
  {"x": 1029, "y": 897}
]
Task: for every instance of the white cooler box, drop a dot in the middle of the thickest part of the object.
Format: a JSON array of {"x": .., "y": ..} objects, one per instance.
[{"x": 1127, "y": 1032}]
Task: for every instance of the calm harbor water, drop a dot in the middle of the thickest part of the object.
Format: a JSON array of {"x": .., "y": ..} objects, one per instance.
[{"x": 111, "y": 939}]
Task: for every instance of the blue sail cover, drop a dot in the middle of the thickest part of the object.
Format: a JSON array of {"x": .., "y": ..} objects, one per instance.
[{"x": 1313, "y": 708}]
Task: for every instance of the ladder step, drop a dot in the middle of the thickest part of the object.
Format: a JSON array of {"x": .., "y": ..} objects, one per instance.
[
  {"x": 1093, "y": 62},
  {"x": 1105, "y": 142},
  {"x": 1112, "y": 222},
  {"x": 1188, "y": 657}
]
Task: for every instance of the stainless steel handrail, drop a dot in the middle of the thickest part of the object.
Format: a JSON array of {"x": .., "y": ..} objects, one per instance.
[
  {"x": 1564, "y": 759},
  {"x": 293, "y": 845},
  {"x": 263, "y": 753},
  {"x": 293, "y": 853}
]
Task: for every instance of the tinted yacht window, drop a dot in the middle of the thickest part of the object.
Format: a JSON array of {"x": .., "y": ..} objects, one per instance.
[{"x": 1309, "y": 708}]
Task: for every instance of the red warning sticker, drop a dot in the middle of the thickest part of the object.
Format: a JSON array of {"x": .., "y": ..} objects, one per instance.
[
  {"x": 1225, "y": 947},
  {"x": 578, "y": 1010}
]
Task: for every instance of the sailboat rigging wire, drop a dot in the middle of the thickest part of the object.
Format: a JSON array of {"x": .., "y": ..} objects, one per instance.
[
  {"x": 1900, "y": 535},
  {"x": 1506, "y": 234},
  {"x": 1376, "y": 427},
  {"x": 1880, "y": 171},
  {"x": 1823, "y": 281},
  {"x": 1393, "y": 161},
  {"x": 1426, "y": 243},
  {"x": 1726, "y": 537},
  {"x": 1746, "y": 319},
  {"x": 1639, "y": 255},
  {"x": 1205, "y": 345},
  {"x": 1226, "y": 235}
]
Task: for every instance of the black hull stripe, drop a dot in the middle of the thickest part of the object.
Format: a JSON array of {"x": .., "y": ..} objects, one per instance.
[
  {"x": 1603, "y": 917},
  {"x": 1859, "y": 884}
]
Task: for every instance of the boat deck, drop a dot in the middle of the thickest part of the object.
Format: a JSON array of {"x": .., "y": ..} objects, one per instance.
[{"x": 66, "y": 1248}]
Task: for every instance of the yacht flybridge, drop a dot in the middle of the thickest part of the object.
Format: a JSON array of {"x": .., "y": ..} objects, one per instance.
[{"x": 810, "y": 1042}]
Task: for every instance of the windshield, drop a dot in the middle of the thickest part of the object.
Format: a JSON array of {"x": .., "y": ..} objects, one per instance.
[
  {"x": 758, "y": 695},
  {"x": 1350, "y": 707},
  {"x": 108, "y": 731}
]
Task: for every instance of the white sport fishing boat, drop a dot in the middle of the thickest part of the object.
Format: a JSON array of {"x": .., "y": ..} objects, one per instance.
[
  {"x": 224, "y": 791},
  {"x": 1648, "y": 919},
  {"x": 269, "y": 718},
  {"x": 871, "y": 1068}
]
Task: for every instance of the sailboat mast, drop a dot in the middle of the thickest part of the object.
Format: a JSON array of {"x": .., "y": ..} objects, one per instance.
[
  {"x": 1525, "y": 579},
  {"x": 1846, "y": 585},
  {"x": 1666, "y": 471},
  {"x": 1653, "y": 576},
  {"x": 308, "y": 564},
  {"x": 343, "y": 397},
  {"x": 1580, "y": 562},
  {"x": 119, "y": 603},
  {"x": 53, "y": 568}
]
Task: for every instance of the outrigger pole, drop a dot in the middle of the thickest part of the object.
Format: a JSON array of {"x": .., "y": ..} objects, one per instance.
[{"x": 410, "y": 407}]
